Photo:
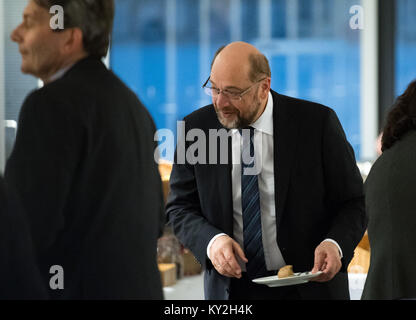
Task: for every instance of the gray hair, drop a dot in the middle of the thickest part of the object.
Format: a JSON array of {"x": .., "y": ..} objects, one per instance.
[
  {"x": 260, "y": 67},
  {"x": 94, "y": 17}
]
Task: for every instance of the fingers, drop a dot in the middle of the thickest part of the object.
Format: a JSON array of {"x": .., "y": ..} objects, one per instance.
[
  {"x": 224, "y": 258},
  {"x": 319, "y": 261},
  {"x": 227, "y": 267},
  {"x": 228, "y": 263},
  {"x": 329, "y": 271},
  {"x": 328, "y": 261},
  {"x": 239, "y": 252}
]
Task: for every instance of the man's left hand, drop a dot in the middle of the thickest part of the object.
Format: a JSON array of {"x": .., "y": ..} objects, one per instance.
[{"x": 327, "y": 260}]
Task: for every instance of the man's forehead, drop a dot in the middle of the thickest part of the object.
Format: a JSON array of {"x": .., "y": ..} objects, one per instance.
[
  {"x": 32, "y": 10},
  {"x": 230, "y": 76}
]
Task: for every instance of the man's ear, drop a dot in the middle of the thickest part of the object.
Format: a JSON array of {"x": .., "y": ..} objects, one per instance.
[
  {"x": 73, "y": 41},
  {"x": 265, "y": 88}
]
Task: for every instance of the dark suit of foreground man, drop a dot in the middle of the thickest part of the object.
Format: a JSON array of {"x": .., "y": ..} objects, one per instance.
[
  {"x": 19, "y": 274},
  {"x": 311, "y": 193},
  {"x": 83, "y": 161}
]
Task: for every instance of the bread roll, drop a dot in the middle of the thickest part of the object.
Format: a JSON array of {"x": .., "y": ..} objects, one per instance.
[{"x": 284, "y": 272}]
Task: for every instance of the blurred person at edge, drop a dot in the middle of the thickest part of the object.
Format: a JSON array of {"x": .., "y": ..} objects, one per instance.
[
  {"x": 391, "y": 206},
  {"x": 83, "y": 161}
]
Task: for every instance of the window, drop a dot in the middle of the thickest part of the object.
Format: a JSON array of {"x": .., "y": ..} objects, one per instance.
[
  {"x": 163, "y": 50},
  {"x": 405, "y": 44}
]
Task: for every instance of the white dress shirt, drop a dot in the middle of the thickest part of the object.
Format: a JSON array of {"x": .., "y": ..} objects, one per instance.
[{"x": 264, "y": 155}]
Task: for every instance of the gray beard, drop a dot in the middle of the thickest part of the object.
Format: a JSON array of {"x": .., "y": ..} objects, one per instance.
[{"x": 240, "y": 123}]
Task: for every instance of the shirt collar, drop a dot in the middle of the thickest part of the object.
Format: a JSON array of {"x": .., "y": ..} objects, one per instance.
[
  {"x": 265, "y": 122},
  {"x": 60, "y": 73}
]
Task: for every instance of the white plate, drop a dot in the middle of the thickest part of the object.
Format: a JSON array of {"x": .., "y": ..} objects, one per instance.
[{"x": 297, "y": 278}]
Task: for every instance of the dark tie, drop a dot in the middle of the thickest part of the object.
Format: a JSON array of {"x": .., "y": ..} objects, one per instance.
[{"x": 250, "y": 199}]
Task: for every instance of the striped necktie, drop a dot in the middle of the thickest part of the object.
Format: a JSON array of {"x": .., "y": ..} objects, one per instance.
[{"x": 250, "y": 199}]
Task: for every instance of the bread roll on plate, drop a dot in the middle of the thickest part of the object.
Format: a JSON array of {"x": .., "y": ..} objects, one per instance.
[{"x": 285, "y": 272}]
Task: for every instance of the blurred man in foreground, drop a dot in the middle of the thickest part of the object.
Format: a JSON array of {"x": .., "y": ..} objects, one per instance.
[{"x": 83, "y": 159}]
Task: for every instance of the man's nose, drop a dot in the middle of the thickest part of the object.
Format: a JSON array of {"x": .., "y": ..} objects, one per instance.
[
  {"x": 222, "y": 100},
  {"x": 15, "y": 35}
]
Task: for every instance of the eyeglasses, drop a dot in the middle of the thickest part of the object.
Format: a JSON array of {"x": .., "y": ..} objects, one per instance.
[{"x": 232, "y": 95}]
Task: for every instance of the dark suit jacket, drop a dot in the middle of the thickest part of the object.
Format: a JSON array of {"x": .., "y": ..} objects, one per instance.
[
  {"x": 83, "y": 166},
  {"x": 391, "y": 209},
  {"x": 318, "y": 194},
  {"x": 19, "y": 274}
]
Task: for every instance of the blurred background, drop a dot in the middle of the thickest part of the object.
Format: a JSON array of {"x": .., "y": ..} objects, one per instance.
[
  {"x": 163, "y": 49},
  {"x": 354, "y": 56}
]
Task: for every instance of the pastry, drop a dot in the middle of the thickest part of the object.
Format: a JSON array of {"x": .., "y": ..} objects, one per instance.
[{"x": 284, "y": 272}]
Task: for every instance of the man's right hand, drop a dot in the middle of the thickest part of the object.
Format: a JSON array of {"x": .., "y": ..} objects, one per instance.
[{"x": 223, "y": 254}]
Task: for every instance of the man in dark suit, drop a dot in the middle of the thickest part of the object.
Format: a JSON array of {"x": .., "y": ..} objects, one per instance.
[
  {"x": 83, "y": 161},
  {"x": 303, "y": 204}
]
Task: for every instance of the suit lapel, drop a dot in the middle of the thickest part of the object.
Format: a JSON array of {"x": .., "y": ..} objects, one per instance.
[
  {"x": 224, "y": 185},
  {"x": 285, "y": 132},
  {"x": 226, "y": 195}
]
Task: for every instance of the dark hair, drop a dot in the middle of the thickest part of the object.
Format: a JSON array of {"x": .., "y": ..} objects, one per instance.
[
  {"x": 94, "y": 18},
  {"x": 401, "y": 119},
  {"x": 259, "y": 65}
]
